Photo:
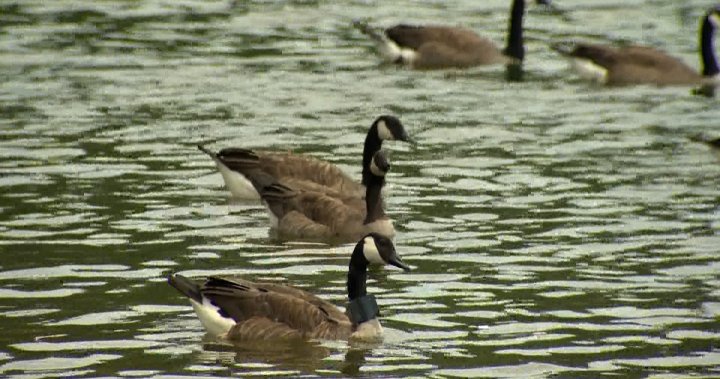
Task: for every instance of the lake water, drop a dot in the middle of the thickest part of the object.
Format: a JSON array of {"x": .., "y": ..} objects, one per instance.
[{"x": 555, "y": 228}]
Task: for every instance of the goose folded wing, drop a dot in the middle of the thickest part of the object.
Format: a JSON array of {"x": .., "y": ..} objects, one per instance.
[
  {"x": 285, "y": 165},
  {"x": 331, "y": 211},
  {"x": 243, "y": 301}
]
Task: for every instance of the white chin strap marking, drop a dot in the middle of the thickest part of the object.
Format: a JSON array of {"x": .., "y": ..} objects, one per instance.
[
  {"x": 375, "y": 169},
  {"x": 383, "y": 131},
  {"x": 371, "y": 252}
]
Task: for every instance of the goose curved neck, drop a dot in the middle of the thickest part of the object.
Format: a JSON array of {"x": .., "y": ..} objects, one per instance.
[
  {"x": 373, "y": 143},
  {"x": 707, "y": 50},
  {"x": 357, "y": 274},
  {"x": 373, "y": 198},
  {"x": 514, "y": 48}
]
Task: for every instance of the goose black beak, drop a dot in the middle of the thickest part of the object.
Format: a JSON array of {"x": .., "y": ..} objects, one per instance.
[
  {"x": 397, "y": 262},
  {"x": 406, "y": 138}
]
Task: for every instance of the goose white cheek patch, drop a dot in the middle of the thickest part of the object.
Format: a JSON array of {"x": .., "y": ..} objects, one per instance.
[
  {"x": 715, "y": 19},
  {"x": 383, "y": 131},
  {"x": 371, "y": 252},
  {"x": 375, "y": 169}
]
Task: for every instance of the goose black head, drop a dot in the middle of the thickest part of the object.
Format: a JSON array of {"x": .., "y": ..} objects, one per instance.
[
  {"x": 390, "y": 128},
  {"x": 380, "y": 250}
]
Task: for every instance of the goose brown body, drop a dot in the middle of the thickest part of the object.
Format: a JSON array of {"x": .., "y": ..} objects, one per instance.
[
  {"x": 631, "y": 65},
  {"x": 266, "y": 311},
  {"x": 438, "y": 47},
  {"x": 313, "y": 215},
  {"x": 427, "y": 47}
]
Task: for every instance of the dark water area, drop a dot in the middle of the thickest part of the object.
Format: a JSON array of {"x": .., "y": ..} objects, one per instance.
[{"x": 556, "y": 228}]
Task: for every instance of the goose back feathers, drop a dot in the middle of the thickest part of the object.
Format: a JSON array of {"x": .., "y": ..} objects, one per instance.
[{"x": 242, "y": 310}]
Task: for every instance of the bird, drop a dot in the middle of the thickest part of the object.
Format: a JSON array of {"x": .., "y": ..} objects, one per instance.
[
  {"x": 300, "y": 171},
  {"x": 316, "y": 216},
  {"x": 635, "y": 64},
  {"x": 241, "y": 310},
  {"x": 440, "y": 47}
]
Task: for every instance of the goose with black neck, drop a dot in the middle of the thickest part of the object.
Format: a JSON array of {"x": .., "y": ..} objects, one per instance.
[
  {"x": 439, "y": 47},
  {"x": 242, "y": 310}
]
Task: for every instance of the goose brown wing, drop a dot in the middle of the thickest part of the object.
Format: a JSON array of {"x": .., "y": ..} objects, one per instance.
[
  {"x": 640, "y": 64},
  {"x": 338, "y": 190},
  {"x": 330, "y": 211},
  {"x": 286, "y": 166},
  {"x": 325, "y": 305},
  {"x": 413, "y": 37},
  {"x": 296, "y": 225},
  {"x": 244, "y": 300},
  {"x": 648, "y": 56},
  {"x": 315, "y": 216}
]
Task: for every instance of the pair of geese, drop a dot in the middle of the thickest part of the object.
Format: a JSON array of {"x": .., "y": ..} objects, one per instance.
[
  {"x": 440, "y": 47},
  {"x": 306, "y": 198},
  {"x": 326, "y": 204}
]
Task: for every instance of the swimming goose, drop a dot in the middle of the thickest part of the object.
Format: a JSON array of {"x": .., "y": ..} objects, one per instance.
[
  {"x": 632, "y": 65},
  {"x": 438, "y": 47},
  {"x": 242, "y": 310},
  {"x": 317, "y": 216},
  {"x": 301, "y": 171}
]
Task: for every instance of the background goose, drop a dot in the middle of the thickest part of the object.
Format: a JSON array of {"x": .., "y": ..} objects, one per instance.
[
  {"x": 299, "y": 171},
  {"x": 437, "y": 47},
  {"x": 239, "y": 309},
  {"x": 644, "y": 65},
  {"x": 310, "y": 215}
]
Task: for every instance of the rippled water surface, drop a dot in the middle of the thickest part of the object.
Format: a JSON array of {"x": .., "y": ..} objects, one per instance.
[{"x": 555, "y": 228}]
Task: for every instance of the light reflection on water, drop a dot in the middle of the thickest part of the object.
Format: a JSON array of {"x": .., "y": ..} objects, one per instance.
[{"x": 554, "y": 228}]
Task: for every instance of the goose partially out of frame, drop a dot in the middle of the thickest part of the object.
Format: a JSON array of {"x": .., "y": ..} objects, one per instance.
[{"x": 634, "y": 65}]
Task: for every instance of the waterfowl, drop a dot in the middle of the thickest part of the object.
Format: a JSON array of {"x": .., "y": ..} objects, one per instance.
[
  {"x": 631, "y": 65},
  {"x": 300, "y": 171},
  {"x": 317, "y": 216},
  {"x": 241, "y": 310},
  {"x": 438, "y": 47}
]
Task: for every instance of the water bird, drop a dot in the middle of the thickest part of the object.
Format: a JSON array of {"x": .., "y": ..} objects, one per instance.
[
  {"x": 438, "y": 47},
  {"x": 242, "y": 310},
  {"x": 316, "y": 216},
  {"x": 301, "y": 171},
  {"x": 633, "y": 65}
]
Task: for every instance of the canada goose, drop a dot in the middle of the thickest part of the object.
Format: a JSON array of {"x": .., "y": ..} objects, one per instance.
[
  {"x": 642, "y": 64},
  {"x": 438, "y": 47},
  {"x": 317, "y": 216},
  {"x": 238, "y": 309},
  {"x": 301, "y": 171}
]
